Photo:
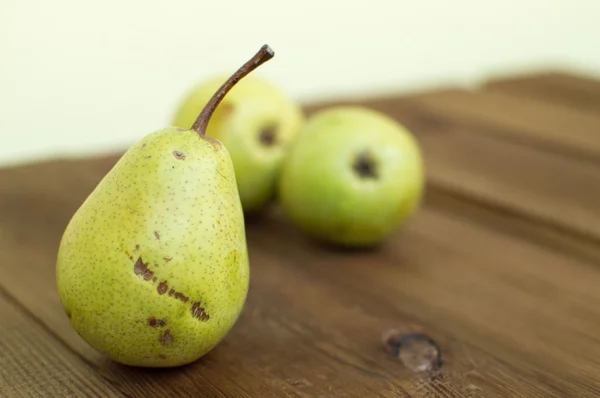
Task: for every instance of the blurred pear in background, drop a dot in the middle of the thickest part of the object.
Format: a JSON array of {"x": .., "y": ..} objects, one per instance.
[{"x": 256, "y": 122}]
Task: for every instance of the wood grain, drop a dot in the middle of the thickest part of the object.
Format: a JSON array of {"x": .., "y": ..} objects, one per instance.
[
  {"x": 280, "y": 319},
  {"x": 33, "y": 363},
  {"x": 557, "y": 87},
  {"x": 557, "y": 128},
  {"x": 513, "y": 223},
  {"x": 542, "y": 186},
  {"x": 302, "y": 306},
  {"x": 499, "y": 267},
  {"x": 509, "y": 306}
]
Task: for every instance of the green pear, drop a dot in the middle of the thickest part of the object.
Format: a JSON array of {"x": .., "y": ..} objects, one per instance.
[
  {"x": 153, "y": 268},
  {"x": 256, "y": 122},
  {"x": 352, "y": 176}
]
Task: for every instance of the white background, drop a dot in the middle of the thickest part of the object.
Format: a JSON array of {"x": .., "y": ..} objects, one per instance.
[{"x": 83, "y": 77}]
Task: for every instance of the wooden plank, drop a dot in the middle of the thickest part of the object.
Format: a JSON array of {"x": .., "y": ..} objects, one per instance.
[
  {"x": 497, "y": 306},
  {"x": 34, "y": 215},
  {"x": 314, "y": 317},
  {"x": 35, "y": 364},
  {"x": 540, "y": 186},
  {"x": 496, "y": 293},
  {"x": 552, "y": 127},
  {"x": 512, "y": 223},
  {"x": 557, "y": 87}
]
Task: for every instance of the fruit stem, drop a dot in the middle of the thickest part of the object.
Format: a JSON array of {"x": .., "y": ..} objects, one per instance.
[{"x": 263, "y": 55}]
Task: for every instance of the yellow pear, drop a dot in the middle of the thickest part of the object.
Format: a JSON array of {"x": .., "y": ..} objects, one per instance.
[{"x": 153, "y": 268}]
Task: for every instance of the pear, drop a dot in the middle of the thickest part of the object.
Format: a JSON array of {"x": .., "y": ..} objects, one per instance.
[
  {"x": 153, "y": 268},
  {"x": 352, "y": 177},
  {"x": 256, "y": 122}
]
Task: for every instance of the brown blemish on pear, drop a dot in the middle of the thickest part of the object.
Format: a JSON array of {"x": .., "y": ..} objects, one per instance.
[
  {"x": 179, "y": 155},
  {"x": 166, "y": 338},
  {"x": 153, "y": 322},
  {"x": 181, "y": 296},
  {"x": 162, "y": 288},
  {"x": 142, "y": 269},
  {"x": 199, "y": 312}
]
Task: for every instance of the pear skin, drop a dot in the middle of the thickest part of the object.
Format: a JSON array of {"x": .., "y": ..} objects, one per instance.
[{"x": 153, "y": 268}]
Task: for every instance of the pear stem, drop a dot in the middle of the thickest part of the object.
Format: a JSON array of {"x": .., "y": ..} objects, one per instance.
[{"x": 263, "y": 55}]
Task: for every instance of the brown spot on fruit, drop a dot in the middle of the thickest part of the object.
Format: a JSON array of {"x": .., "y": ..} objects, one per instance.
[
  {"x": 137, "y": 247},
  {"x": 154, "y": 279},
  {"x": 162, "y": 356},
  {"x": 166, "y": 338},
  {"x": 179, "y": 155},
  {"x": 167, "y": 259},
  {"x": 181, "y": 296},
  {"x": 199, "y": 312},
  {"x": 142, "y": 269},
  {"x": 268, "y": 135},
  {"x": 156, "y": 235},
  {"x": 162, "y": 288},
  {"x": 153, "y": 322}
]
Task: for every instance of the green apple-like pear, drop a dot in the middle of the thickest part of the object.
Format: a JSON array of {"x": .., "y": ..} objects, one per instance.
[
  {"x": 153, "y": 268},
  {"x": 352, "y": 176},
  {"x": 256, "y": 122}
]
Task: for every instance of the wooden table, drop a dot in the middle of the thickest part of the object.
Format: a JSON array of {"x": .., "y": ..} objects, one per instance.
[{"x": 500, "y": 267}]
